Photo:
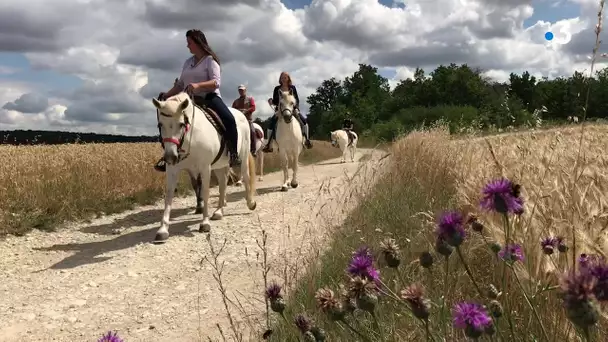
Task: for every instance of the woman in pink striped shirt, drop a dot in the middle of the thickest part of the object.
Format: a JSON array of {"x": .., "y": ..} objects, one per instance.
[{"x": 201, "y": 77}]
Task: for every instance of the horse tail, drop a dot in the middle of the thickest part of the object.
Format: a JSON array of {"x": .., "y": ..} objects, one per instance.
[{"x": 251, "y": 170}]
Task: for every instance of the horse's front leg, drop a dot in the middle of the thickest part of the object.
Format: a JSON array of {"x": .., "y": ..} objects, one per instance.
[
  {"x": 162, "y": 234},
  {"x": 285, "y": 164},
  {"x": 205, "y": 173},
  {"x": 344, "y": 151},
  {"x": 222, "y": 184},
  {"x": 294, "y": 170}
]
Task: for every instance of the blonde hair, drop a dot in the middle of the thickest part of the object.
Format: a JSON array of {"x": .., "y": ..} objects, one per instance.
[{"x": 289, "y": 81}]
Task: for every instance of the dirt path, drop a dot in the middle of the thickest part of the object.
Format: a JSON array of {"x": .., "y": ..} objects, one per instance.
[{"x": 75, "y": 284}]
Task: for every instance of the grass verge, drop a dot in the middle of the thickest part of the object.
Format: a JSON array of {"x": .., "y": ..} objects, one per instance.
[
  {"x": 429, "y": 173},
  {"x": 44, "y": 186}
]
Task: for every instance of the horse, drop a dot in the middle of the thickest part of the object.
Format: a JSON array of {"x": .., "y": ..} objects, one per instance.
[
  {"x": 187, "y": 132},
  {"x": 259, "y": 159},
  {"x": 288, "y": 138},
  {"x": 339, "y": 138}
]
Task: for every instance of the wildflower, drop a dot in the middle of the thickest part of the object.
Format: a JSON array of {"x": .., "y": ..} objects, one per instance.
[
  {"x": 493, "y": 292},
  {"x": 475, "y": 224},
  {"x": 495, "y": 308},
  {"x": 303, "y": 323},
  {"x": 472, "y": 318},
  {"x": 328, "y": 303},
  {"x": 596, "y": 267},
  {"x": 561, "y": 245},
  {"x": 548, "y": 245},
  {"x": 273, "y": 293},
  {"x": 503, "y": 196},
  {"x": 495, "y": 247},
  {"x": 364, "y": 292},
  {"x": 110, "y": 337},
  {"x": 348, "y": 304},
  {"x": 442, "y": 247},
  {"x": 426, "y": 259},
  {"x": 390, "y": 250},
  {"x": 414, "y": 296},
  {"x": 318, "y": 333},
  {"x": 450, "y": 228},
  {"x": 511, "y": 253},
  {"x": 362, "y": 264},
  {"x": 579, "y": 301}
]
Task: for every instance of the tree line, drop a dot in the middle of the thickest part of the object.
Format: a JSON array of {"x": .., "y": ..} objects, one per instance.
[{"x": 458, "y": 95}]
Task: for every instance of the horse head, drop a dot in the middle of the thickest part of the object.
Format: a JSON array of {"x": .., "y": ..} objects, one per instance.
[
  {"x": 287, "y": 105},
  {"x": 333, "y": 136},
  {"x": 174, "y": 122}
]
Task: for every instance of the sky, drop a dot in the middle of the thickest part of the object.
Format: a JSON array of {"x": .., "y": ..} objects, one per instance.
[{"x": 94, "y": 65}]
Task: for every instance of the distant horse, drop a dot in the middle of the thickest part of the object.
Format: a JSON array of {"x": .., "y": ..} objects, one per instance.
[
  {"x": 194, "y": 140},
  {"x": 288, "y": 138},
  {"x": 339, "y": 138}
]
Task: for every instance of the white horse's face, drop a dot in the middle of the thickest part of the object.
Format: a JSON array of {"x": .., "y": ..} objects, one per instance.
[
  {"x": 287, "y": 105},
  {"x": 173, "y": 124}
]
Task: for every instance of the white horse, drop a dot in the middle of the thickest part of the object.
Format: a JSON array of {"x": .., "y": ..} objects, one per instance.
[
  {"x": 288, "y": 138},
  {"x": 259, "y": 159},
  {"x": 193, "y": 143},
  {"x": 340, "y": 137}
]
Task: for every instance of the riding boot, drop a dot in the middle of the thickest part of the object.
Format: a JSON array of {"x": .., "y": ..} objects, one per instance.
[
  {"x": 270, "y": 134},
  {"x": 252, "y": 140},
  {"x": 307, "y": 136}
]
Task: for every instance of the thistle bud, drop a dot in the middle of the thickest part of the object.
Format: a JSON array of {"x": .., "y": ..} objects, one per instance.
[
  {"x": 318, "y": 333},
  {"x": 495, "y": 247},
  {"x": 426, "y": 259},
  {"x": 309, "y": 337},
  {"x": 495, "y": 308}
]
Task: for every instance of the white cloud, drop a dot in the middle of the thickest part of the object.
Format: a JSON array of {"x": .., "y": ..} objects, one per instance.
[{"x": 128, "y": 51}]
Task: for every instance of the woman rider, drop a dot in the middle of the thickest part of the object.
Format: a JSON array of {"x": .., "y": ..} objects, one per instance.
[
  {"x": 201, "y": 77},
  {"x": 285, "y": 84}
]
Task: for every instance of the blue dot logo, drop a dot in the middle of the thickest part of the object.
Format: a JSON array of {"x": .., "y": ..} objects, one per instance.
[{"x": 549, "y": 36}]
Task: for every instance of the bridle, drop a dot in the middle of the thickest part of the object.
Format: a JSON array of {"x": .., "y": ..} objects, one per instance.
[{"x": 186, "y": 127}]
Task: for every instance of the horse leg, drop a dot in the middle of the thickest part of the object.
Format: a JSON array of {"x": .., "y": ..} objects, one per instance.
[
  {"x": 343, "y": 160},
  {"x": 248, "y": 177},
  {"x": 222, "y": 181},
  {"x": 205, "y": 173},
  {"x": 260, "y": 161},
  {"x": 294, "y": 170},
  {"x": 197, "y": 184},
  {"x": 285, "y": 165},
  {"x": 162, "y": 234}
]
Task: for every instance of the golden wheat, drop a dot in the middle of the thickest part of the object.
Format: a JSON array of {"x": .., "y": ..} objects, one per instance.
[{"x": 43, "y": 185}]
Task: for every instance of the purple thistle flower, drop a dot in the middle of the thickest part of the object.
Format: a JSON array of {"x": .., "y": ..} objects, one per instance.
[
  {"x": 502, "y": 196},
  {"x": 578, "y": 295},
  {"x": 450, "y": 228},
  {"x": 362, "y": 264},
  {"x": 511, "y": 253},
  {"x": 273, "y": 291},
  {"x": 110, "y": 337},
  {"x": 548, "y": 245},
  {"x": 597, "y": 267},
  {"x": 471, "y": 317}
]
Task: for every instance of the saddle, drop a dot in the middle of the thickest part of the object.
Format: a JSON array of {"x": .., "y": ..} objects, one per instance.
[{"x": 258, "y": 134}]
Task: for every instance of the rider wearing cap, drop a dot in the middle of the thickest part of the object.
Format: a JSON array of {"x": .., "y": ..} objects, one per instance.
[
  {"x": 246, "y": 105},
  {"x": 285, "y": 84}
]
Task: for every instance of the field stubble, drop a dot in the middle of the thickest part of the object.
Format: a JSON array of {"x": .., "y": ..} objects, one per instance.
[{"x": 46, "y": 185}]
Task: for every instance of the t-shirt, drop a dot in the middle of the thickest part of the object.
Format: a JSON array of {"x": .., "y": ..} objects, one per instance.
[{"x": 205, "y": 70}]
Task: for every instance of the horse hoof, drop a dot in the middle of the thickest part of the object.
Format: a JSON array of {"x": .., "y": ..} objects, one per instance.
[
  {"x": 204, "y": 228},
  {"x": 284, "y": 188},
  {"x": 217, "y": 216},
  {"x": 239, "y": 183},
  {"x": 161, "y": 237},
  {"x": 294, "y": 184},
  {"x": 253, "y": 205},
  {"x": 198, "y": 211},
  {"x": 260, "y": 179}
]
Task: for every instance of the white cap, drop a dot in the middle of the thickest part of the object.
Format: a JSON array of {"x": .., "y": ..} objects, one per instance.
[{"x": 242, "y": 87}]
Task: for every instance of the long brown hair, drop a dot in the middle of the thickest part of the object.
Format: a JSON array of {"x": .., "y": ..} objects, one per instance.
[
  {"x": 198, "y": 37},
  {"x": 289, "y": 82}
]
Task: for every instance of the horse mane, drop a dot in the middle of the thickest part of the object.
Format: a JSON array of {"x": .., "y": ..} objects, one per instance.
[{"x": 178, "y": 99}]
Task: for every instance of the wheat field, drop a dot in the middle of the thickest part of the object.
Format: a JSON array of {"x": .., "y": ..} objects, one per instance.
[{"x": 44, "y": 185}]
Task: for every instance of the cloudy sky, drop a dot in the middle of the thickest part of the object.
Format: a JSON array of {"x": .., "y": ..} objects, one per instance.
[{"x": 94, "y": 65}]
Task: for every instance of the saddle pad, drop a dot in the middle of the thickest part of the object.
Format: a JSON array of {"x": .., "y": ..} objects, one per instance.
[{"x": 214, "y": 119}]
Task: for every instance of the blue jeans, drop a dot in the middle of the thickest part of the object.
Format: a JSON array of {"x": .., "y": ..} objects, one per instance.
[{"x": 213, "y": 101}]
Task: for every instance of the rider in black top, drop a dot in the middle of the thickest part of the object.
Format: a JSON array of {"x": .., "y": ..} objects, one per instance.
[
  {"x": 274, "y": 102},
  {"x": 347, "y": 124}
]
